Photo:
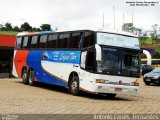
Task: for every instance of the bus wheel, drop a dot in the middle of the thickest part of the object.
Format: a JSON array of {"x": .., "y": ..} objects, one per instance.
[
  {"x": 25, "y": 76},
  {"x": 31, "y": 78},
  {"x": 74, "y": 85},
  {"x": 111, "y": 95}
]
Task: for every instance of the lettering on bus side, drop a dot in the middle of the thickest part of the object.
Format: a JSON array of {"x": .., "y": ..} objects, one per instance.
[{"x": 63, "y": 56}]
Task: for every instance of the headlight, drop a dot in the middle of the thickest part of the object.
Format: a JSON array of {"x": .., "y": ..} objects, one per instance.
[{"x": 156, "y": 77}]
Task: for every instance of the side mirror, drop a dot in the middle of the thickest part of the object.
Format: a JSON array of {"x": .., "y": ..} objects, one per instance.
[{"x": 98, "y": 53}]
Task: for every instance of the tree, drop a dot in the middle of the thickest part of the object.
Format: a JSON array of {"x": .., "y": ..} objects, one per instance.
[
  {"x": 46, "y": 27},
  {"x": 154, "y": 34},
  {"x": 8, "y": 26},
  {"x": 1, "y": 26},
  {"x": 36, "y": 29},
  {"x": 26, "y": 27},
  {"x": 128, "y": 27},
  {"x": 16, "y": 29},
  {"x": 155, "y": 29}
]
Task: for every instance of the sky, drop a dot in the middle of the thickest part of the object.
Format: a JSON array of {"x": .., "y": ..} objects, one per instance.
[{"x": 79, "y": 14}]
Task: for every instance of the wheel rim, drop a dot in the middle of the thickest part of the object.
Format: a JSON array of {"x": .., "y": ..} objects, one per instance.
[
  {"x": 24, "y": 76},
  {"x": 74, "y": 86},
  {"x": 30, "y": 77}
]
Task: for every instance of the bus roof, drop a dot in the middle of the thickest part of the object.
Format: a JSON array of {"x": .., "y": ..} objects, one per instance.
[{"x": 99, "y": 30}]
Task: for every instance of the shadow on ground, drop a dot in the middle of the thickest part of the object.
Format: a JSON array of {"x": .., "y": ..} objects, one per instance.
[{"x": 64, "y": 90}]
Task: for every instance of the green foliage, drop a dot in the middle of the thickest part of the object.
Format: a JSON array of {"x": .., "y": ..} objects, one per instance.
[
  {"x": 26, "y": 27},
  {"x": 16, "y": 28},
  {"x": 36, "y": 29},
  {"x": 157, "y": 55},
  {"x": 158, "y": 50},
  {"x": 127, "y": 27},
  {"x": 146, "y": 40},
  {"x": 8, "y": 26},
  {"x": 45, "y": 27},
  {"x": 8, "y": 33}
]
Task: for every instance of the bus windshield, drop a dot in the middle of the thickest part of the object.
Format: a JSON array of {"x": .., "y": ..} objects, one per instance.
[{"x": 119, "y": 62}]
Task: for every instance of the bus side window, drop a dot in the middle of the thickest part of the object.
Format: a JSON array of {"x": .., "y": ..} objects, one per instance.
[
  {"x": 75, "y": 40},
  {"x": 63, "y": 40},
  {"x": 42, "y": 42},
  {"x": 19, "y": 43},
  {"x": 33, "y": 43},
  {"x": 52, "y": 40},
  {"x": 25, "y": 43},
  {"x": 89, "y": 39}
]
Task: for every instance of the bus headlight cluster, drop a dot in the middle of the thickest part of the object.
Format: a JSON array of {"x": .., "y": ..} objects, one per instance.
[{"x": 102, "y": 81}]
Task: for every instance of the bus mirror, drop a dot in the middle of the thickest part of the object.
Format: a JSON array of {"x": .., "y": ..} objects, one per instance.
[{"x": 98, "y": 53}]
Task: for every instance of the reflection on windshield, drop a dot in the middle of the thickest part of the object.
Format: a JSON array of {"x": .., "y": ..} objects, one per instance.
[
  {"x": 119, "y": 62},
  {"x": 130, "y": 64}
]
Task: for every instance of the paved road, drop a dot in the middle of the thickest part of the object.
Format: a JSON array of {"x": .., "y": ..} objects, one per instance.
[{"x": 15, "y": 97}]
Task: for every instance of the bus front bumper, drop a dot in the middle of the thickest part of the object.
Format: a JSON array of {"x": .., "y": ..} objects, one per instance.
[{"x": 116, "y": 89}]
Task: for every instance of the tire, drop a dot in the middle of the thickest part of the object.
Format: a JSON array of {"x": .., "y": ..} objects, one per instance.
[
  {"x": 25, "y": 76},
  {"x": 74, "y": 85},
  {"x": 147, "y": 83},
  {"x": 111, "y": 95},
  {"x": 31, "y": 78}
]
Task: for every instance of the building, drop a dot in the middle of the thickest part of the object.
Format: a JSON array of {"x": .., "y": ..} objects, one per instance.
[{"x": 7, "y": 43}]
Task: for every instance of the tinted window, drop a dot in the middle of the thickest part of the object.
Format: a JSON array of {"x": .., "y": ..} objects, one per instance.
[
  {"x": 89, "y": 39},
  {"x": 34, "y": 40},
  {"x": 25, "y": 42},
  {"x": 75, "y": 39},
  {"x": 18, "y": 44},
  {"x": 90, "y": 60},
  {"x": 52, "y": 40},
  {"x": 42, "y": 42},
  {"x": 63, "y": 41}
]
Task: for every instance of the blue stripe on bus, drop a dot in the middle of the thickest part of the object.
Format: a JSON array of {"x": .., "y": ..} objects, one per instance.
[{"x": 34, "y": 60}]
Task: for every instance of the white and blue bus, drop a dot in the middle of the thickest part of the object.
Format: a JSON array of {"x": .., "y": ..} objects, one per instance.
[{"x": 94, "y": 61}]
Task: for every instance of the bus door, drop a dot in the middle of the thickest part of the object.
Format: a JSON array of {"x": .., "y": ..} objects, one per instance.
[{"x": 88, "y": 63}]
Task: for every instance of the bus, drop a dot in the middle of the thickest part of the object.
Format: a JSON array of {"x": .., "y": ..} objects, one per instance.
[
  {"x": 96, "y": 61},
  {"x": 155, "y": 62}
]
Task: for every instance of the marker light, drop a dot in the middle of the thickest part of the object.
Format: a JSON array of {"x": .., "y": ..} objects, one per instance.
[{"x": 102, "y": 81}]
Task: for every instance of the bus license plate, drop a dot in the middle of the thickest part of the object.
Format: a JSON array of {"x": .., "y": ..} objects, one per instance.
[
  {"x": 148, "y": 80},
  {"x": 118, "y": 89}
]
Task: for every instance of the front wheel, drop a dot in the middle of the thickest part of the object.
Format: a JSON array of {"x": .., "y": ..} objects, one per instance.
[
  {"x": 31, "y": 78},
  {"x": 25, "y": 76},
  {"x": 74, "y": 85}
]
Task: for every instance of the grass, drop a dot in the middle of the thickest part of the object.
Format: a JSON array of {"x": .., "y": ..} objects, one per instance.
[
  {"x": 8, "y": 33},
  {"x": 146, "y": 40}
]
